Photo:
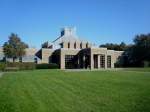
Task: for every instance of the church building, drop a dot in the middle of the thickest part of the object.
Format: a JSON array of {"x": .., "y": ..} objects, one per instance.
[{"x": 70, "y": 52}]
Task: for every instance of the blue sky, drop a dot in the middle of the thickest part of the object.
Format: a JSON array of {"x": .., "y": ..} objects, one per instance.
[{"x": 98, "y": 21}]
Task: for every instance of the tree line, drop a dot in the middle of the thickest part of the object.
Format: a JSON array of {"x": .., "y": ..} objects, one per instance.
[
  {"x": 136, "y": 54},
  {"x": 118, "y": 47}
]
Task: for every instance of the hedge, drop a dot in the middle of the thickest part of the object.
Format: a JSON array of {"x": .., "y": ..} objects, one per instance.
[
  {"x": 14, "y": 66},
  {"x": 47, "y": 66},
  {"x": 21, "y": 66},
  {"x": 146, "y": 64},
  {"x": 2, "y": 66}
]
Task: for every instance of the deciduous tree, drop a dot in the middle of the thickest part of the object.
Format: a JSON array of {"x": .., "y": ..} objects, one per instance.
[{"x": 14, "y": 47}]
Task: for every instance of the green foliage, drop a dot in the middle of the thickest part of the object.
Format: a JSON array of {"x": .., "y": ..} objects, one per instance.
[
  {"x": 146, "y": 64},
  {"x": 47, "y": 66},
  {"x": 15, "y": 66},
  {"x": 11, "y": 69},
  {"x": 21, "y": 66},
  {"x": 2, "y": 66},
  {"x": 119, "y": 47},
  {"x": 14, "y": 48},
  {"x": 139, "y": 52},
  {"x": 61, "y": 91}
]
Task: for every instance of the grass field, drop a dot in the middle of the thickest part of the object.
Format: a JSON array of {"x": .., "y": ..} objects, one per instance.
[{"x": 63, "y": 91}]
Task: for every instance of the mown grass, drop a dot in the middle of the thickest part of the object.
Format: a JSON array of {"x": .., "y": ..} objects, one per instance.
[
  {"x": 61, "y": 91},
  {"x": 146, "y": 69}
]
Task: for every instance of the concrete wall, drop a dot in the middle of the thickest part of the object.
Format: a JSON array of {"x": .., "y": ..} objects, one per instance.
[
  {"x": 91, "y": 51},
  {"x": 112, "y": 54},
  {"x": 46, "y": 55},
  {"x": 98, "y": 51},
  {"x": 103, "y": 51},
  {"x": 64, "y": 52},
  {"x": 28, "y": 57},
  {"x": 117, "y": 54},
  {"x": 83, "y": 44},
  {"x": 65, "y": 44},
  {"x": 77, "y": 45},
  {"x": 30, "y": 51}
]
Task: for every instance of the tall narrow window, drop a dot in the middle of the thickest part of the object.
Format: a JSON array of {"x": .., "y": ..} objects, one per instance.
[
  {"x": 75, "y": 45},
  {"x": 80, "y": 45},
  {"x": 87, "y": 45},
  {"x": 109, "y": 61},
  {"x": 68, "y": 44},
  {"x": 35, "y": 60},
  {"x": 102, "y": 61},
  {"x": 69, "y": 61}
]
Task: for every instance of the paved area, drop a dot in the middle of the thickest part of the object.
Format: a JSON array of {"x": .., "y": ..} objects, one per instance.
[
  {"x": 79, "y": 70},
  {"x": 111, "y": 69}
]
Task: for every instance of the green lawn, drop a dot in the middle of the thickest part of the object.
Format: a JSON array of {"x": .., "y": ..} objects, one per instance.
[{"x": 61, "y": 91}]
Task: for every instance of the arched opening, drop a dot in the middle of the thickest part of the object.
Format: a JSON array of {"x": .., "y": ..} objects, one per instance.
[
  {"x": 81, "y": 45},
  {"x": 75, "y": 45},
  {"x": 87, "y": 45},
  {"x": 68, "y": 44}
]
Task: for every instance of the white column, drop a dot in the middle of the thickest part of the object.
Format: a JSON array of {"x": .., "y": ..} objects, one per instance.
[
  {"x": 92, "y": 63},
  {"x": 78, "y": 61},
  {"x": 105, "y": 61},
  {"x": 62, "y": 61},
  {"x": 83, "y": 61},
  {"x": 112, "y": 61},
  {"x": 99, "y": 62}
]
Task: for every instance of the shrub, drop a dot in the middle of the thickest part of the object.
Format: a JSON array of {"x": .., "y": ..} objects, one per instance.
[
  {"x": 117, "y": 65},
  {"x": 146, "y": 63},
  {"x": 27, "y": 66},
  {"x": 11, "y": 69},
  {"x": 2, "y": 66},
  {"x": 47, "y": 66},
  {"x": 15, "y": 66},
  {"x": 22, "y": 66}
]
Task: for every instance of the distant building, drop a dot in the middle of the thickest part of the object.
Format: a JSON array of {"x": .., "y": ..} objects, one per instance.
[{"x": 69, "y": 52}]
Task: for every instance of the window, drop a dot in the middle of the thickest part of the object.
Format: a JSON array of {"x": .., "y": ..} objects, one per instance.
[
  {"x": 75, "y": 45},
  {"x": 61, "y": 45},
  {"x": 20, "y": 59},
  {"x": 109, "y": 61},
  {"x": 62, "y": 33},
  {"x": 68, "y": 44},
  {"x": 86, "y": 45},
  {"x": 69, "y": 61},
  {"x": 4, "y": 59},
  {"x": 80, "y": 45},
  {"x": 35, "y": 60},
  {"x": 95, "y": 61},
  {"x": 102, "y": 61}
]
